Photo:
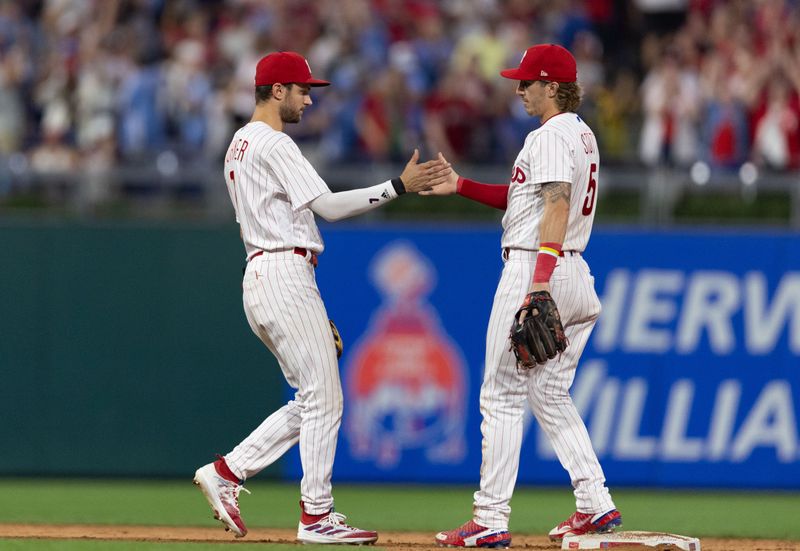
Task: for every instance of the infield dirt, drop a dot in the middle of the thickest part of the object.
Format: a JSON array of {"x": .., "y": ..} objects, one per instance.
[{"x": 397, "y": 541}]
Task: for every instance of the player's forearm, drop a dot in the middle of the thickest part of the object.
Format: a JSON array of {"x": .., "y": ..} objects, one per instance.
[
  {"x": 553, "y": 227},
  {"x": 492, "y": 195},
  {"x": 552, "y": 231},
  {"x": 344, "y": 204}
]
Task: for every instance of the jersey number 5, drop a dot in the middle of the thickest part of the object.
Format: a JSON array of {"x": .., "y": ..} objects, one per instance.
[{"x": 591, "y": 191}]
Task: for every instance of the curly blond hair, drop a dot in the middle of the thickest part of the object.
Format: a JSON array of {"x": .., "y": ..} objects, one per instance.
[{"x": 568, "y": 97}]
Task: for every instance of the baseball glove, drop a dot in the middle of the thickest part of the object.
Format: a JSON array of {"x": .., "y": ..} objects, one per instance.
[
  {"x": 540, "y": 335},
  {"x": 337, "y": 339}
]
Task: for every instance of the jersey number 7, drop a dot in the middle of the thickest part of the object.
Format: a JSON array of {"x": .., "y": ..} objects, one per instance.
[{"x": 591, "y": 191}]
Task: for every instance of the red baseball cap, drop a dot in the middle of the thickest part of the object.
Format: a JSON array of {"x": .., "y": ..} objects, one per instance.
[
  {"x": 545, "y": 62},
  {"x": 285, "y": 68}
]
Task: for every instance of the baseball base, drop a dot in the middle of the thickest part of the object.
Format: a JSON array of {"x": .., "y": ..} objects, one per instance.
[{"x": 631, "y": 539}]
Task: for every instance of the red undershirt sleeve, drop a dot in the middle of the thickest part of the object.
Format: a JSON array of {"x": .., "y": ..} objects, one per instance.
[{"x": 492, "y": 195}]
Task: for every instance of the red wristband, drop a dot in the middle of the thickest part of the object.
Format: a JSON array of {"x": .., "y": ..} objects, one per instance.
[{"x": 546, "y": 260}]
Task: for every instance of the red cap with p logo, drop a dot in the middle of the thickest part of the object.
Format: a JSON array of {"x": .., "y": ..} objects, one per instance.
[
  {"x": 545, "y": 62},
  {"x": 285, "y": 68}
]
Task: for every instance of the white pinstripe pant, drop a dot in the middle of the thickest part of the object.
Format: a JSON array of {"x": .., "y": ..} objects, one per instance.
[
  {"x": 546, "y": 389},
  {"x": 284, "y": 308}
]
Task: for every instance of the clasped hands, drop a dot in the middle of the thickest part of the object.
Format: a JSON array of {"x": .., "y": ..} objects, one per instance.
[{"x": 434, "y": 177}]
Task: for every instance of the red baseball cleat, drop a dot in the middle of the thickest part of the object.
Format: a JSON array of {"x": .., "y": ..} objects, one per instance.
[
  {"x": 471, "y": 534},
  {"x": 587, "y": 523}
]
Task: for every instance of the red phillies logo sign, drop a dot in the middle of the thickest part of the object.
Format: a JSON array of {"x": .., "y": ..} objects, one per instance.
[{"x": 517, "y": 176}]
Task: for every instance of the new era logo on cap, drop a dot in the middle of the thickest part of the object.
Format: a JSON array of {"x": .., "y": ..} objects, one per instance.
[
  {"x": 285, "y": 68},
  {"x": 545, "y": 60}
]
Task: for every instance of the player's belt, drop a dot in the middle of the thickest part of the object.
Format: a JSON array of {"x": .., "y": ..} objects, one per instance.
[
  {"x": 305, "y": 252},
  {"x": 297, "y": 250},
  {"x": 507, "y": 250}
]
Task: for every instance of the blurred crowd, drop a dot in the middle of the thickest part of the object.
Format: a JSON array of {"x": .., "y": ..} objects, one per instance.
[{"x": 92, "y": 84}]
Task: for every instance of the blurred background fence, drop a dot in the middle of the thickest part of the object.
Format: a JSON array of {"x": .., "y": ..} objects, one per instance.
[
  {"x": 105, "y": 103},
  {"x": 169, "y": 189}
]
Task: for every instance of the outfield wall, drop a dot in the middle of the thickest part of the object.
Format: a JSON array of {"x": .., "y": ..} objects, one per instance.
[
  {"x": 125, "y": 351},
  {"x": 691, "y": 378}
]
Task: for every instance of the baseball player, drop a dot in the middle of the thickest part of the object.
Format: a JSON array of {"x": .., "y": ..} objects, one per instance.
[
  {"x": 275, "y": 193},
  {"x": 550, "y": 206}
]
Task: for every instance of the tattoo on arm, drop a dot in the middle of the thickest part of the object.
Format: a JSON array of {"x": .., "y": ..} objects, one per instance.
[{"x": 556, "y": 191}]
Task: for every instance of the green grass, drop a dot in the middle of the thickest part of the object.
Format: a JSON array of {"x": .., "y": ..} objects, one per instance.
[
  {"x": 387, "y": 507},
  {"x": 81, "y": 545}
]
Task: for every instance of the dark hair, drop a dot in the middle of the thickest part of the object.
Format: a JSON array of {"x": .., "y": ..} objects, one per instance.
[
  {"x": 263, "y": 93},
  {"x": 568, "y": 97}
]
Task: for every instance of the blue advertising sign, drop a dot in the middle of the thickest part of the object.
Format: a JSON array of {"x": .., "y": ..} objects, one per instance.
[{"x": 690, "y": 378}]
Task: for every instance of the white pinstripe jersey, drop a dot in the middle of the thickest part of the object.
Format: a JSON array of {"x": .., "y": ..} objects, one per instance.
[
  {"x": 563, "y": 149},
  {"x": 271, "y": 184}
]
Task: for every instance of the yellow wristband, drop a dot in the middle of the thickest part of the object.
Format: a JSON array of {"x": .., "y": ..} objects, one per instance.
[{"x": 550, "y": 251}]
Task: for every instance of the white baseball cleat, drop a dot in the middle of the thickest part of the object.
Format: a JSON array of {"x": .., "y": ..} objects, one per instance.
[
  {"x": 332, "y": 529},
  {"x": 223, "y": 496}
]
